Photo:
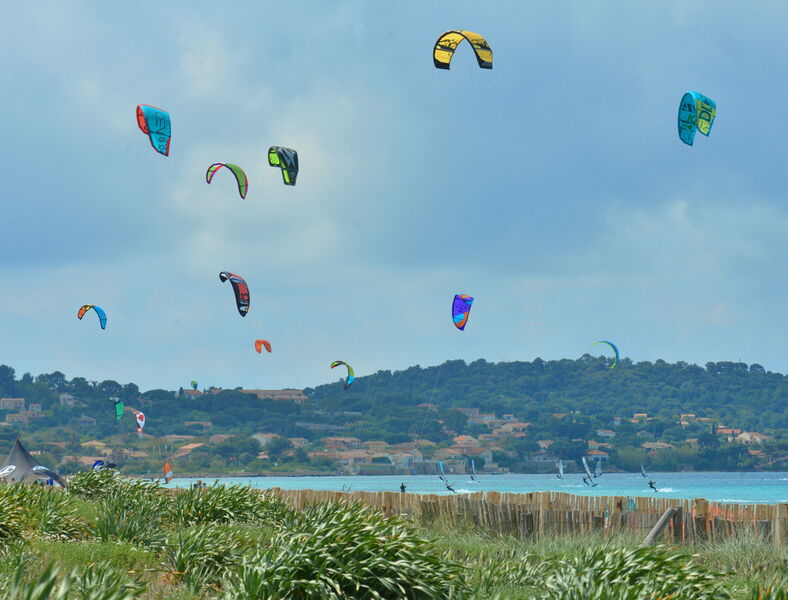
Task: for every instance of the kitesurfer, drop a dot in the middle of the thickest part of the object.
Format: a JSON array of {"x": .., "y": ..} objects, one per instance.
[
  {"x": 451, "y": 489},
  {"x": 651, "y": 483},
  {"x": 402, "y": 488},
  {"x": 586, "y": 480}
]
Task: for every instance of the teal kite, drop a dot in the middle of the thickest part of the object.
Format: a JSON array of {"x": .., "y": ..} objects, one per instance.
[
  {"x": 155, "y": 123},
  {"x": 696, "y": 112},
  {"x": 613, "y": 346}
]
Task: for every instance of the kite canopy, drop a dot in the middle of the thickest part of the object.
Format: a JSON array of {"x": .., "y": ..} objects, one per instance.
[
  {"x": 99, "y": 311},
  {"x": 194, "y": 385},
  {"x": 20, "y": 465},
  {"x": 155, "y": 122},
  {"x": 696, "y": 112},
  {"x": 460, "y": 309},
  {"x": 118, "y": 408},
  {"x": 140, "y": 417},
  {"x": 447, "y": 43},
  {"x": 241, "y": 290},
  {"x": 350, "y": 375},
  {"x": 240, "y": 176},
  {"x": 260, "y": 344},
  {"x": 287, "y": 159},
  {"x": 613, "y": 346},
  {"x": 168, "y": 474}
]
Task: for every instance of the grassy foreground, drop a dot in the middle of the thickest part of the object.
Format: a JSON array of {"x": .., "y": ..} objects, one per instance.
[{"x": 111, "y": 538}]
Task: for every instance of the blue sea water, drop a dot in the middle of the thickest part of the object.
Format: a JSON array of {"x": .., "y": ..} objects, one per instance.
[{"x": 742, "y": 488}]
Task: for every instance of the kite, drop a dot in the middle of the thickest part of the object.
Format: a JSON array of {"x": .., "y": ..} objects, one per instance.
[
  {"x": 241, "y": 291},
  {"x": 194, "y": 385},
  {"x": 118, "y": 408},
  {"x": 240, "y": 176},
  {"x": 460, "y": 309},
  {"x": 447, "y": 43},
  {"x": 155, "y": 122},
  {"x": 287, "y": 159},
  {"x": 613, "y": 346},
  {"x": 140, "y": 421},
  {"x": 99, "y": 311},
  {"x": 350, "y": 375},
  {"x": 98, "y": 465},
  {"x": 168, "y": 474},
  {"x": 696, "y": 112},
  {"x": 260, "y": 344}
]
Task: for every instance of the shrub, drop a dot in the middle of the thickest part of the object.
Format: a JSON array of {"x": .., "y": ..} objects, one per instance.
[
  {"x": 201, "y": 555},
  {"x": 226, "y": 504},
  {"x": 132, "y": 515},
  {"x": 338, "y": 551},
  {"x": 12, "y": 518},
  {"x": 641, "y": 574},
  {"x": 98, "y": 582}
]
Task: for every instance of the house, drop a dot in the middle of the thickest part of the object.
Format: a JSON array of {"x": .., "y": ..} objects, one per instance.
[
  {"x": 691, "y": 442},
  {"x": 639, "y": 417},
  {"x": 192, "y": 393},
  {"x": 605, "y": 433},
  {"x": 16, "y": 418},
  {"x": 507, "y": 417},
  {"x": 405, "y": 459},
  {"x": 217, "y": 438},
  {"x": 84, "y": 420},
  {"x": 593, "y": 445},
  {"x": 67, "y": 399},
  {"x": 375, "y": 445},
  {"x": 204, "y": 424},
  {"x": 753, "y": 437},
  {"x": 337, "y": 443},
  {"x": 545, "y": 444},
  {"x": 469, "y": 412},
  {"x": 291, "y": 395},
  {"x": 298, "y": 442},
  {"x": 687, "y": 417},
  {"x": 600, "y": 455},
  {"x": 12, "y": 404},
  {"x": 36, "y": 408},
  {"x": 264, "y": 438},
  {"x": 656, "y": 445}
]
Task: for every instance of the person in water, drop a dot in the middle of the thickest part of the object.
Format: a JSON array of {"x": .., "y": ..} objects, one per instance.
[
  {"x": 586, "y": 480},
  {"x": 402, "y": 488},
  {"x": 451, "y": 489},
  {"x": 651, "y": 483}
]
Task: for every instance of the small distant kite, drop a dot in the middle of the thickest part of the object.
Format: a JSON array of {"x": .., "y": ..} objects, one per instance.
[
  {"x": 260, "y": 344},
  {"x": 240, "y": 176},
  {"x": 287, "y": 159},
  {"x": 350, "y": 375},
  {"x": 99, "y": 311},
  {"x": 118, "y": 408},
  {"x": 447, "y": 43},
  {"x": 696, "y": 112},
  {"x": 155, "y": 122},
  {"x": 168, "y": 474},
  {"x": 241, "y": 291},
  {"x": 613, "y": 346},
  {"x": 194, "y": 385},
  {"x": 460, "y": 309},
  {"x": 140, "y": 417}
]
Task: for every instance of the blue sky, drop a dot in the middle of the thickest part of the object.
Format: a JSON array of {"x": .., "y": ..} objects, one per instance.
[{"x": 553, "y": 188}]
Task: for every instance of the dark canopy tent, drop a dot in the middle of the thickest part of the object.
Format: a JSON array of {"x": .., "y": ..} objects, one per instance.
[{"x": 20, "y": 465}]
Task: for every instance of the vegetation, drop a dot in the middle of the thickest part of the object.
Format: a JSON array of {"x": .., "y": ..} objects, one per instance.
[
  {"x": 239, "y": 544},
  {"x": 568, "y": 402}
]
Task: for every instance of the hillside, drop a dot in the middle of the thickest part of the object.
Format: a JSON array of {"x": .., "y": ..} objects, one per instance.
[{"x": 517, "y": 415}]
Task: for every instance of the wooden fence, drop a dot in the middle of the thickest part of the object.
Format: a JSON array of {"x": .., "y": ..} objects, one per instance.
[{"x": 540, "y": 514}]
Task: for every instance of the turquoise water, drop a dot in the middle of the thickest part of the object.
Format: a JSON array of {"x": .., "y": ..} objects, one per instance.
[{"x": 754, "y": 488}]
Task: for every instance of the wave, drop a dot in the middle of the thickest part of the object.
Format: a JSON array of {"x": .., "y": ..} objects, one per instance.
[{"x": 666, "y": 489}]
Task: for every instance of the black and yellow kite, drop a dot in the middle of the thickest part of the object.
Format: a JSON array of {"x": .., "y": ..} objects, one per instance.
[{"x": 447, "y": 43}]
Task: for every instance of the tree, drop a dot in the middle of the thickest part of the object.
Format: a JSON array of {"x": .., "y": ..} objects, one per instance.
[{"x": 277, "y": 446}]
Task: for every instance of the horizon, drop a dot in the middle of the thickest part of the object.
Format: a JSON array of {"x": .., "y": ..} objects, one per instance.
[{"x": 552, "y": 188}]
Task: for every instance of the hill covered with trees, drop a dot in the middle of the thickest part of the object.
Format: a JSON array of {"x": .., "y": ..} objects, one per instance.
[{"x": 514, "y": 415}]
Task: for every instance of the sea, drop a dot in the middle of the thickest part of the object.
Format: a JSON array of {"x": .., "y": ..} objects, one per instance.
[{"x": 740, "y": 488}]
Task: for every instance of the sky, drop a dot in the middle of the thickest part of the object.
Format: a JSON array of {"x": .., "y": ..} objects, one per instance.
[{"x": 552, "y": 188}]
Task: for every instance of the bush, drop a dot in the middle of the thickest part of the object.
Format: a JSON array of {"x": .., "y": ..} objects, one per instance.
[
  {"x": 132, "y": 515},
  {"x": 201, "y": 555},
  {"x": 98, "y": 582},
  {"x": 12, "y": 518},
  {"x": 222, "y": 504},
  {"x": 337, "y": 551},
  {"x": 642, "y": 574}
]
